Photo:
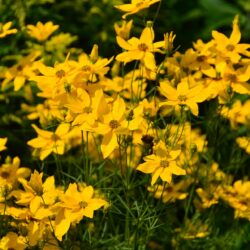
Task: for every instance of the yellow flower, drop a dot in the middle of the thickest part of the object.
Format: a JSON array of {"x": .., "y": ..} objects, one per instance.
[
  {"x": 11, "y": 171},
  {"x": 12, "y": 241},
  {"x": 5, "y": 29},
  {"x": 140, "y": 49},
  {"x": 135, "y": 6},
  {"x": 41, "y": 31},
  {"x": 112, "y": 125},
  {"x": 57, "y": 80},
  {"x": 161, "y": 164},
  {"x": 37, "y": 194},
  {"x": 124, "y": 30},
  {"x": 244, "y": 142},
  {"x": 229, "y": 48},
  {"x": 183, "y": 95},
  {"x": 75, "y": 204},
  {"x": 85, "y": 108},
  {"x": 2, "y": 143},
  {"x": 92, "y": 67},
  {"x": 207, "y": 196},
  {"x": 48, "y": 142},
  {"x": 21, "y": 72}
]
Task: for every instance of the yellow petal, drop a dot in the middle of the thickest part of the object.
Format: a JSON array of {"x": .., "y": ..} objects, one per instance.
[{"x": 109, "y": 143}]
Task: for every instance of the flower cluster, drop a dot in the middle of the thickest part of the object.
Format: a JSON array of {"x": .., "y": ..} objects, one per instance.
[{"x": 141, "y": 113}]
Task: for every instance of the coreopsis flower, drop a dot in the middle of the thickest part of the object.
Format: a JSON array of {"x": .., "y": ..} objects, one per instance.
[
  {"x": 85, "y": 108},
  {"x": 207, "y": 196},
  {"x": 10, "y": 172},
  {"x": 21, "y": 72},
  {"x": 135, "y": 6},
  {"x": 162, "y": 163},
  {"x": 230, "y": 48},
  {"x": 55, "y": 81},
  {"x": 238, "y": 197},
  {"x": 41, "y": 31},
  {"x": 112, "y": 124},
  {"x": 244, "y": 142},
  {"x": 37, "y": 194},
  {"x": 74, "y": 205},
  {"x": 183, "y": 95},
  {"x": 40, "y": 233},
  {"x": 48, "y": 142},
  {"x": 123, "y": 30},
  {"x": 5, "y": 29},
  {"x": 92, "y": 67},
  {"x": 13, "y": 241},
  {"x": 3, "y": 142},
  {"x": 141, "y": 49}
]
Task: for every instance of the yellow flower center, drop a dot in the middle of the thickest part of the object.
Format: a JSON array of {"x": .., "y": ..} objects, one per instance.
[
  {"x": 114, "y": 124},
  {"x": 5, "y": 174},
  {"x": 230, "y": 47},
  {"x": 182, "y": 98},
  {"x": 143, "y": 47},
  {"x": 60, "y": 73},
  {"x": 83, "y": 204},
  {"x": 164, "y": 163}
]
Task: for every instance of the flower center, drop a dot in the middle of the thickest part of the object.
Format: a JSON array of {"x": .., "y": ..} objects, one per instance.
[
  {"x": 231, "y": 77},
  {"x": 164, "y": 163},
  {"x": 60, "y": 73},
  {"x": 19, "y": 68},
  {"x": 55, "y": 137},
  {"x": 182, "y": 98},
  {"x": 139, "y": 4},
  {"x": 5, "y": 174},
  {"x": 230, "y": 47},
  {"x": 114, "y": 124},
  {"x": 83, "y": 204},
  {"x": 87, "y": 110},
  {"x": 201, "y": 58},
  {"x": 143, "y": 47},
  {"x": 38, "y": 190},
  {"x": 86, "y": 68}
]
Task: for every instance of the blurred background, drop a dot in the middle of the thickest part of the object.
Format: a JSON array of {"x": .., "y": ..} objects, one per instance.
[{"x": 92, "y": 20}]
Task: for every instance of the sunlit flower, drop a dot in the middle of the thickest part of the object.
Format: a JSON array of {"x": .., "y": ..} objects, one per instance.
[
  {"x": 141, "y": 49},
  {"x": 41, "y": 31},
  {"x": 183, "y": 95}
]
